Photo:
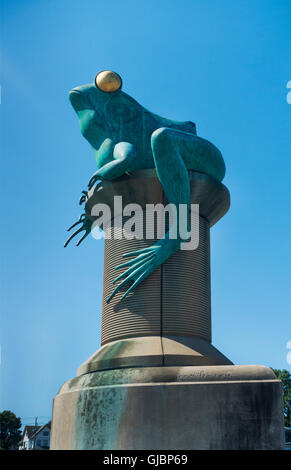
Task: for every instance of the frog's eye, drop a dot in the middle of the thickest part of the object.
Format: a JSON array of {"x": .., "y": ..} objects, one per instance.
[{"x": 108, "y": 81}]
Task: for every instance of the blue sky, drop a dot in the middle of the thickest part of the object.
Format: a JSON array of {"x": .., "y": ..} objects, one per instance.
[{"x": 222, "y": 64}]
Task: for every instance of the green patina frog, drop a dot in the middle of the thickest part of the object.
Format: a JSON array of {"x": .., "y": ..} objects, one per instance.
[{"x": 127, "y": 137}]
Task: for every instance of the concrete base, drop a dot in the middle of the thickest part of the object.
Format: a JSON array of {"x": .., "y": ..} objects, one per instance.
[{"x": 166, "y": 408}]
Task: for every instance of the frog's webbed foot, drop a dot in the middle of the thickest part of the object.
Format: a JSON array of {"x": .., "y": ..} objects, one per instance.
[
  {"x": 144, "y": 263},
  {"x": 86, "y": 225}
]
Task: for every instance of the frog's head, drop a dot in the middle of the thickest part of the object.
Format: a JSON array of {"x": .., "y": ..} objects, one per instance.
[
  {"x": 89, "y": 102},
  {"x": 102, "y": 108}
]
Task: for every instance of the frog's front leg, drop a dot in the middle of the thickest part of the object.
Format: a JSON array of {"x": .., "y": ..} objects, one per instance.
[
  {"x": 173, "y": 176},
  {"x": 124, "y": 160}
]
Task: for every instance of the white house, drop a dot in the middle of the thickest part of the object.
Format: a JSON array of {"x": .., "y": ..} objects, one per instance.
[{"x": 36, "y": 437}]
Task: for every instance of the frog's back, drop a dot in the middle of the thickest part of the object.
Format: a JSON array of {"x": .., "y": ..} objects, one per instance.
[
  {"x": 185, "y": 126},
  {"x": 147, "y": 120}
]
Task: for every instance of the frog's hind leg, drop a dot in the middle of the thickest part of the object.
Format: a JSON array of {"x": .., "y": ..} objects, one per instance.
[
  {"x": 173, "y": 175},
  {"x": 170, "y": 166},
  {"x": 198, "y": 154}
]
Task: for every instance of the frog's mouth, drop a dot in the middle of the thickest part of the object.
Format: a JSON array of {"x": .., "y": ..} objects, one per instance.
[{"x": 79, "y": 101}]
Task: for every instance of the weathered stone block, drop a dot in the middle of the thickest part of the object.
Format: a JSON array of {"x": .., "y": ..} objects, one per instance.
[{"x": 165, "y": 408}]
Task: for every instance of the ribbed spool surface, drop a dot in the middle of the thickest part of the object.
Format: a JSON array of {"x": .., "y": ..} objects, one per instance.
[
  {"x": 186, "y": 309},
  {"x": 139, "y": 313},
  {"x": 173, "y": 301}
]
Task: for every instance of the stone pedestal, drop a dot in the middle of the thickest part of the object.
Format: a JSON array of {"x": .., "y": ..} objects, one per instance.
[
  {"x": 166, "y": 320},
  {"x": 170, "y": 408},
  {"x": 157, "y": 382}
]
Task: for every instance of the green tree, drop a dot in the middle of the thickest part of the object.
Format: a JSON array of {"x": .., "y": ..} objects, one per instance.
[
  {"x": 285, "y": 377},
  {"x": 10, "y": 433}
]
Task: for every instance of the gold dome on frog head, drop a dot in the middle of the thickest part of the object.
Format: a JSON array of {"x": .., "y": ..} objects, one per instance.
[{"x": 108, "y": 81}]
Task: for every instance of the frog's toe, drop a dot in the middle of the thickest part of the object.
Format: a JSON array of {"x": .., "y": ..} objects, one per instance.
[
  {"x": 139, "y": 269},
  {"x": 133, "y": 265},
  {"x": 86, "y": 225},
  {"x": 143, "y": 256},
  {"x": 93, "y": 180},
  {"x": 83, "y": 198},
  {"x": 72, "y": 236}
]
